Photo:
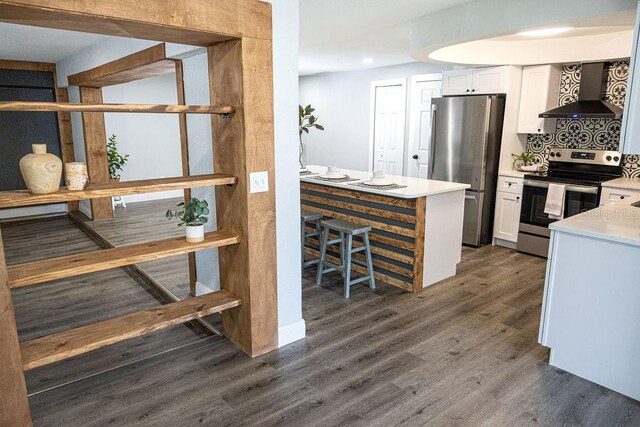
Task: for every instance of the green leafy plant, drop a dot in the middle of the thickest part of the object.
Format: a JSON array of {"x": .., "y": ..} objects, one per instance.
[
  {"x": 524, "y": 159},
  {"x": 193, "y": 213},
  {"x": 116, "y": 161},
  {"x": 307, "y": 121}
]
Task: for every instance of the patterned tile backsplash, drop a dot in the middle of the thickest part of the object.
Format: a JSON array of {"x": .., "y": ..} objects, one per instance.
[{"x": 600, "y": 134}]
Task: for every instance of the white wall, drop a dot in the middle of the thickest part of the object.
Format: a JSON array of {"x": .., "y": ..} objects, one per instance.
[
  {"x": 343, "y": 104},
  {"x": 287, "y": 180},
  {"x": 151, "y": 140}
]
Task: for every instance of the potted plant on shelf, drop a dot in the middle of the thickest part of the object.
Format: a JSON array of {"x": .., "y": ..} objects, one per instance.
[
  {"x": 116, "y": 160},
  {"x": 525, "y": 162},
  {"x": 194, "y": 215},
  {"x": 307, "y": 121}
]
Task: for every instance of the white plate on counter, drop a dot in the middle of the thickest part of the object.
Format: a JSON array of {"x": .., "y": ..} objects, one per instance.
[
  {"x": 378, "y": 182},
  {"x": 336, "y": 176}
]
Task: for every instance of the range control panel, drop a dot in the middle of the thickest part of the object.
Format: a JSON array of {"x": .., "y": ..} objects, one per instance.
[
  {"x": 583, "y": 155},
  {"x": 592, "y": 157}
]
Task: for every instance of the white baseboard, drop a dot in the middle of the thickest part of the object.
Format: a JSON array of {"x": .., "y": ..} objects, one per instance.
[
  {"x": 504, "y": 243},
  {"x": 290, "y": 333},
  {"x": 85, "y": 208},
  {"x": 286, "y": 334},
  {"x": 57, "y": 208},
  {"x": 202, "y": 289},
  {"x": 153, "y": 196}
]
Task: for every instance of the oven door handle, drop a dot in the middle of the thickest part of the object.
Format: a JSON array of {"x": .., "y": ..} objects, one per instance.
[{"x": 572, "y": 188}]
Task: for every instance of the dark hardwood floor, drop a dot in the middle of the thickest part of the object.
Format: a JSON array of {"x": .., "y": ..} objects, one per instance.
[
  {"x": 144, "y": 222},
  {"x": 462, "y": 352}
]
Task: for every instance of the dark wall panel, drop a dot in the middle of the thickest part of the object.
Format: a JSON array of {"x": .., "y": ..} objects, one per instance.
[{"x": 18, "y": 130}]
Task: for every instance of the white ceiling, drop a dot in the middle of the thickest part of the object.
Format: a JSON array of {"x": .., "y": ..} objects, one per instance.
[
  {"x": 577, "y": 45},
  {"x": 336, "y": 34},
  {"x": 24, "y": 43}
]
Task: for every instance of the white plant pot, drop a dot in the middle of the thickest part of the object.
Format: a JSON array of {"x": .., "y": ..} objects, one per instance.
[{"x": 195, "y": 233}]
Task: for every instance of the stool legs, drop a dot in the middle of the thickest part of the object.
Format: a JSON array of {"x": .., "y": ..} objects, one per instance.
[
  {"x": 342, "y": 253},
  {"x": 347, "y": 267},
  {"x": 372, "y": 280},
  {"x": 323, "y": 254},
  {"x": 303, "y": 236},
  {"x": 345, "y": 241}
]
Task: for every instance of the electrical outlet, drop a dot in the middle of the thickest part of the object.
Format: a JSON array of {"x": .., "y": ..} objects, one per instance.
[{"x": 259, "y": 182}]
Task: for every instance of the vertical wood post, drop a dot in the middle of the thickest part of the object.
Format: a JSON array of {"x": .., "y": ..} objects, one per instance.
[
  {"x": 184, "y": 148},
  {"x": 66, "y": 137},
  {"x": 14, "y": 405},
  {"x": 95, "y": 147},
  {"x": 240, "y": 74}
]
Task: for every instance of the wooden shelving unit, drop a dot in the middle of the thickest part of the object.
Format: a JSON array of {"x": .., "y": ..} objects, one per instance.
[
  {"x": 70, "y": 107},
  {"x": 237, "y": 37},
  {"x": 13, "y": 199},
  {"x": 56, "y": 347},
  {"x": 32, "y": 273}
]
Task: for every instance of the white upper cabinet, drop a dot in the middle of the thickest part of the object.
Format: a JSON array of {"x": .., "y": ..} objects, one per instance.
[
  {"x": 490, "y": 80},
  {"x": 540, "y": 87},
  {"x": 630, "y": 134},
  {"x": 476, "y": 81},
  {"x": 457, "y": 82}
]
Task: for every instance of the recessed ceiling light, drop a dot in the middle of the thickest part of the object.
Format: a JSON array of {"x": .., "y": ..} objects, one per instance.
[
  {"x": 367, "y": 60},
  {"x": 545, "y": 32}
]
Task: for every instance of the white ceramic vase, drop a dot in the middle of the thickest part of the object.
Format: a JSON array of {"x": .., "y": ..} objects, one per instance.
[
  {"x": 41, "y": 171},
  {"x": 195, "y": 233}
]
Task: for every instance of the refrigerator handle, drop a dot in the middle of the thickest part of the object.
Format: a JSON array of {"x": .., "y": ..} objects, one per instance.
[{"x": 433, "y": 139}]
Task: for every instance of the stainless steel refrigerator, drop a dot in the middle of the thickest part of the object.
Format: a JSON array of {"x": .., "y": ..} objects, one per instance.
[{"x": 465, "y": 148}]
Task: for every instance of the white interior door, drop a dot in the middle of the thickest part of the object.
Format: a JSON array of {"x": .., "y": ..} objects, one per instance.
[
  {"x": 388, "y": 101},
  {"x": 423, "y": 90}
]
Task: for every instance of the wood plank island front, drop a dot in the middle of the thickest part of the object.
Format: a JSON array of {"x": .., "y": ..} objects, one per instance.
[{"x": 416, "y": 237}]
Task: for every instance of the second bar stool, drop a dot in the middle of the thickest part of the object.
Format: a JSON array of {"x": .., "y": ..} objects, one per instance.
[
  {"x": 348, "y": 229},
  {"x": 307, "y": 216}
]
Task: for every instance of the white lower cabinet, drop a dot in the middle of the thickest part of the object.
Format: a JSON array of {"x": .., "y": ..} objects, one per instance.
[
  {"x": 507, "y": 213},
  {"x": 613, "y": 194}
]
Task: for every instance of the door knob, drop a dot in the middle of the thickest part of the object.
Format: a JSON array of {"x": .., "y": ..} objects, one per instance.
[{"x": 415, "y": 157}]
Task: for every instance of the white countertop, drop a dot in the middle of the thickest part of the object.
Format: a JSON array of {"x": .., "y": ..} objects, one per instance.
[
  {"x": 624, "y": 182},
  {"x": 616, "y": 222},
  {"x": 513, "y": 173},
  {"x": 415, "y": 187}
]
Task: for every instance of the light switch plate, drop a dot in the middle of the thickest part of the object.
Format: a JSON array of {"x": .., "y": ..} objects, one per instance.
[{"x": 259, "y": 182}]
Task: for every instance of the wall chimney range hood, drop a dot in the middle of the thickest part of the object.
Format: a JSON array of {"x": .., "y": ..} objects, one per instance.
[{"x": 590, "y": 104}]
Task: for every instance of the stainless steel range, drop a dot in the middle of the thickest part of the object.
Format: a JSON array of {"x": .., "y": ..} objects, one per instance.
[{"x": 582, "y": 172}]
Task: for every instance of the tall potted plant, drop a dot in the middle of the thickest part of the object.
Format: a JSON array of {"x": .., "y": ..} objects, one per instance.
[
  {"x": 116, "y": 160},
  {"x": 307, "y": 121},
  {"x": 194, "y": 216}
]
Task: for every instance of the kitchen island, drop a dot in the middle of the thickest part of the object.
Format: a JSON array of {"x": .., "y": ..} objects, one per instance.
[
  {"x": 590, "y": 316},
  {"x": 416, "y": 237}
]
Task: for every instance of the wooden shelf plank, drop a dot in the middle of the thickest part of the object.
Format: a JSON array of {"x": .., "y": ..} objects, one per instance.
[
  {"x": 12, "y": 199},
  {"x": 70, "y": 107},
  {"x": 32, "y": 273},
  {"x": 63, "y": 345},
  {"x": 146, "y": 63}
]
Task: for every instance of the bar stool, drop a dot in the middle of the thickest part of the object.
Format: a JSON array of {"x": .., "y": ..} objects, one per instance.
[
  {"x": 312, "y": 217},
  {"x": 348, "y": 229}
]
